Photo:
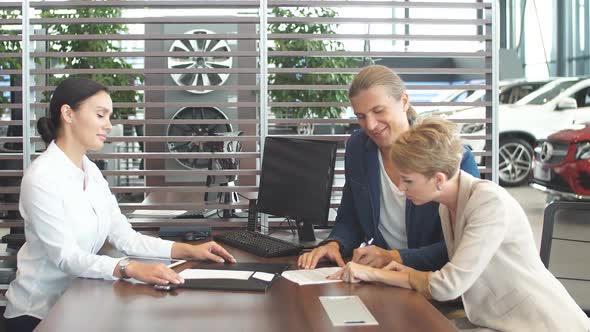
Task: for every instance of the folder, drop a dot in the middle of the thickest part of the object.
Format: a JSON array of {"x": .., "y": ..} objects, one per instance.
[{"x": 252, "y": 284}]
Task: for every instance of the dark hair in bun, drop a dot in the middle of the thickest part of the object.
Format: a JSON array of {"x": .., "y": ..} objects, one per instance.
[{"x": 71, "y": 91}]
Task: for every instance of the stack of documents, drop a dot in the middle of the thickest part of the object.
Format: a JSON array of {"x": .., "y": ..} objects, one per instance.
[{"x": 311, "y": 277}]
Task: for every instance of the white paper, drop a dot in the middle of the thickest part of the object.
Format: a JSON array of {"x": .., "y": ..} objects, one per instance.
[
  {"x": 170, "y": 262},
  {"x": 157, "y": 213},
  {"x": 347, "y": 311},
  {"x": 311, "y": 277},
  {"x": 263, "y": 276},
  {"x": 215, "y": 274}
]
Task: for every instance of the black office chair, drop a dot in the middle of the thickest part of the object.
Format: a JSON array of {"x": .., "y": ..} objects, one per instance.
[{"x": 565, "y": 247}]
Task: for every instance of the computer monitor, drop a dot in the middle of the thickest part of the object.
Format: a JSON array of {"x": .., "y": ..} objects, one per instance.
[{"x": 296, "y": 181}]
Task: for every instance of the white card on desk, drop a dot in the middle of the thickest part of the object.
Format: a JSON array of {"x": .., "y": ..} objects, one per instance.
[
  {"x": 347, "y": 311},
  {"x": 311, "y": 277},
  {"x": 268, "y": 277},
  {"x": 215, "y": 274}
]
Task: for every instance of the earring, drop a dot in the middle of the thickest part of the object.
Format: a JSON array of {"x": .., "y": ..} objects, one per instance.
[{"x": 438, "y": 188}]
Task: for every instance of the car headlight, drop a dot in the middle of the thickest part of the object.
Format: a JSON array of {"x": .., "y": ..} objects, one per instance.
[
  {"x": 583, "y": 150},
  {"x": 471, "y": 128}
]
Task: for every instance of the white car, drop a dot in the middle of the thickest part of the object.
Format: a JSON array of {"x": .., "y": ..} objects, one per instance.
[
  {"x": 454, "y": 96},
  {"x": 510, "y": 92},
  {"x": 555, "y": 106}
]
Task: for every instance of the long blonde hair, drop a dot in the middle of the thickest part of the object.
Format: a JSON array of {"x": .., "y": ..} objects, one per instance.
[
  {"x": 377, "y": 75},
  {"x": 428, "y": 147}
]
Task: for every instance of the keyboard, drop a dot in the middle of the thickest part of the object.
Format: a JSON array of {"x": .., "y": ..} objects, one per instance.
[
  {"x": 258, "y": 244},
  {"x": 195, "y": 214},
  {"x": 14, "y": 241}
]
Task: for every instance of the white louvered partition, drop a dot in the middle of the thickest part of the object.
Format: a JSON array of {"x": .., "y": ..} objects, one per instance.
[{"x": 188, "y": 76}]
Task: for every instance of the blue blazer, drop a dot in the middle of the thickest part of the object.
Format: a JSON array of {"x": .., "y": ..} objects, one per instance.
[{"x": 358, "y": 215}]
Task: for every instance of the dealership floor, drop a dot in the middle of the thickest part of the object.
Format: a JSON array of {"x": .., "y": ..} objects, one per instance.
[{"x": 533, "y": 203}]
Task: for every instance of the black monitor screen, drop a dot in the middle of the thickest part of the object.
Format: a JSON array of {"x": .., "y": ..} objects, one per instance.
[{"x": 296, "y": 179}]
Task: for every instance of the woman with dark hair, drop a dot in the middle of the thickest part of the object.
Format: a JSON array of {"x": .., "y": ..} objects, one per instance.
[
  {"x": 69, "y": 212},
  {"x": 494, "y": 264}
]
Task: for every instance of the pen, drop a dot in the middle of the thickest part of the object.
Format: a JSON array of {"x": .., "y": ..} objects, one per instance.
[
  {"x": 354, "y": 321},
  {"x": 368, "y": 243}
]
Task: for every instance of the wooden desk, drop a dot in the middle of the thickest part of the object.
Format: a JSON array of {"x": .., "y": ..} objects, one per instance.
[{"x": 97, "y": 305}]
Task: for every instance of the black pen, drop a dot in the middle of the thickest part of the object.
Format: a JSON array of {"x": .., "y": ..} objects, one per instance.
[{"x": 354, "y": 321}]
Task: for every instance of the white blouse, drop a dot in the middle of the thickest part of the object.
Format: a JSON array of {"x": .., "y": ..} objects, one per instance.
[{"x": 68, "y": 214}]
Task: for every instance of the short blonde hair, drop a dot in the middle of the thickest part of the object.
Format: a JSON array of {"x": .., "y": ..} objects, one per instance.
[
  {"x": 377, "y": 75},
  {"x": 429, "y": 147}
]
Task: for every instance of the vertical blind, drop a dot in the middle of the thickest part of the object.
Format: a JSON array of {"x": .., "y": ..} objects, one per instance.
[{"x": 197, "y": 85}]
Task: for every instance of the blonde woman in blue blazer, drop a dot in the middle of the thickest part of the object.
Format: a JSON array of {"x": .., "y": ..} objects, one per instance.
[{"x": 494, "y": 264}]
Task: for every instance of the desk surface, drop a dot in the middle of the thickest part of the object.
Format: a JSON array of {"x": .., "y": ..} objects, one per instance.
[{"x": 97, "y": 305}]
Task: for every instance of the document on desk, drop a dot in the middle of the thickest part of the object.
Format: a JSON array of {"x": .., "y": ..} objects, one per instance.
[
  {"x": 156, "y": 213},
  {"x": 311, "y": 277},
  {"x": 347, "y": 311},
  {"x": 215, "y": 274},
  {"x": 268, "y": 277}
]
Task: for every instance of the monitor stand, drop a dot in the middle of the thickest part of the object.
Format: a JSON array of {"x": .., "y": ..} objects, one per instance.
[{"x": 306, "y": 233}]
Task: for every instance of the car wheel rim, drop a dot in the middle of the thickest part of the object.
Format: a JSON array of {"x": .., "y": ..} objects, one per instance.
[
  {"x": 216, "y": 61},
  {"x": 515, "y": 162}
]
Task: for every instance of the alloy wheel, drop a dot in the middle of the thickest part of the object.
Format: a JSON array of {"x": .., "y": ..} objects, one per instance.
[{"x": 515, "y": 163}]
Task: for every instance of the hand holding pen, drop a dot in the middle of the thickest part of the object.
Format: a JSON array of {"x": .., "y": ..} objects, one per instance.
[
  {"x": 368, "y": 254},
  {"x": 366, "y": 243}
]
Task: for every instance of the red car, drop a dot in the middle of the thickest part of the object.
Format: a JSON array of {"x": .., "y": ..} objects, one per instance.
[{"x": 562, "y": 165}]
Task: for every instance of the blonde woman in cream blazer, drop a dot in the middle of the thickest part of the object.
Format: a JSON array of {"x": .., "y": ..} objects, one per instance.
[{"x": 494, "y": 264}]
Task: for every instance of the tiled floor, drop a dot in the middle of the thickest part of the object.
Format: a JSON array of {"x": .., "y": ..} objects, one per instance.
[{"x": 533, "y": 203}]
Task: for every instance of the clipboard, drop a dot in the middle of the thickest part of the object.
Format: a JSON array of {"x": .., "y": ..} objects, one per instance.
[{"x": 252, "y": 284}]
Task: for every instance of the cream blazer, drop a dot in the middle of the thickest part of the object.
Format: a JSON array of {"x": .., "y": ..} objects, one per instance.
[{"x": 495, "y": 267}]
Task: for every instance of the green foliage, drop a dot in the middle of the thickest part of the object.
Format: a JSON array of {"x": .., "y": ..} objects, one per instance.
[
  {"x": 96, "y": 45},
  {"x": 308, "y": 62},
  {"x": 9, "y": 46}
]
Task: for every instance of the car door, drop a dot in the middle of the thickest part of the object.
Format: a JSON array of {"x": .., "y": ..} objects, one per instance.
[{"x": 581, "y": 115}]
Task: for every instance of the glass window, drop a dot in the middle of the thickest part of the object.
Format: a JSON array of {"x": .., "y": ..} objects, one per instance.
[
  {"x": 460, "y": 97},
  {"x": 512, "y": 95},
  {"x": 583, "y": 97},
  {"x": 582, "y": 24},
  {"x": 548, "y": 95},
  {"x": 538, "y": 30}
]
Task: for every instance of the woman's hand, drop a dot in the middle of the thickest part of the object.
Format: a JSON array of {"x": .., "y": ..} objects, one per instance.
[
  {"x": 354, "y": 272},
  {"x": 395, "y": 266},
  {"x": 375, "y": 256},
  {"x": 206, "y": 251},
  {"x": 153, "y": 273},
  {"x": 393, "y": 274}
]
